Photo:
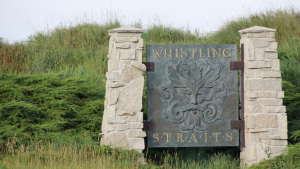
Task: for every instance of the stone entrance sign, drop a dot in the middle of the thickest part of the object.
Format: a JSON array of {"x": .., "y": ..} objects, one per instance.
[{"x": 192, "y": 95}]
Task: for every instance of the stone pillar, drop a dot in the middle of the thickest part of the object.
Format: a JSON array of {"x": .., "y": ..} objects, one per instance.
[
  {"x": 265, "y": 117},
  {"x": 122, "y": 120}
]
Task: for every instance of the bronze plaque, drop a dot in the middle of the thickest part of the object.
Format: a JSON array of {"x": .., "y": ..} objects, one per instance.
[{"x": 192, "y": 95}]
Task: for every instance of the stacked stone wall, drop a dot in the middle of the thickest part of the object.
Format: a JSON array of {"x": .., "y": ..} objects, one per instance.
[
  {"x": 122, "y": 121},
  {"x": 265, "y": 117}
]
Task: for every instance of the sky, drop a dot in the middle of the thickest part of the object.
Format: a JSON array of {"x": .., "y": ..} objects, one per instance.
[{"x": 21, "y": 18}]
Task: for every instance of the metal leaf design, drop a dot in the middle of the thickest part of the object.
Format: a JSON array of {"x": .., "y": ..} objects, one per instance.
[{"x": 193, "y": 96}]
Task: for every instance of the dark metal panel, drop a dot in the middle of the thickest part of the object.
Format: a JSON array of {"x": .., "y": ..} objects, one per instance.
[
  {"x": 149, "y": 126},
  {"x": 150, "y": 67},
  {"x": 192, "y": 96},
  {"x": 238, "y": 124},
  {"x": 238, "y": 65}
]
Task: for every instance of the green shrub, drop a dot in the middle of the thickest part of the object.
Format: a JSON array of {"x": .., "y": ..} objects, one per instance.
[{"x": 50, "y": 107}]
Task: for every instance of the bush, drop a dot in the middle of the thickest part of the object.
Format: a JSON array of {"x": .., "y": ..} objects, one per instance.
[{"x": 50, "y": 107}]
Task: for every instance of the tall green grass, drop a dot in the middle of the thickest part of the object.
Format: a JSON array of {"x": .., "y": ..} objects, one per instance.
[{"x": 79, "y": 51}]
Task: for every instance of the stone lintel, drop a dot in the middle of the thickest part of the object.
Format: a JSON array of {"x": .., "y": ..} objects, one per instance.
[
  {"x": 256, "y": 29},
  {"x": 126, "y": 29}
]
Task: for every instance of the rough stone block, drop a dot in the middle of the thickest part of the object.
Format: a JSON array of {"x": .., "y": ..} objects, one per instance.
[
  {"x": 111, "y": 112},
  {"x": 116, "y": 121},
  {"x": 250, "y": 121},
  {"x": 113, "y": 95},
  {"x": 273, "y": 46},
  {"x": 127, "y": 54},
  {"x": 260, "y": 43},
  {"x": 258, "y": 64},
  {"x": 278, "y": 149},
  {"x": 266, "y": 94},
  {"x": 124, "y": 113},
  {"x": 115, "y": 59},
  {"x": 136, "y": 133},
  {"x": 270, "y": 34},
  {"x": 122, "y": 45},
  {"x": 271, "y": 54},
  {"x": 113, "y": 76},
  {"x": 253, "y": 106},
  {"x": 257, "y": 73},
  {"x": 274, "y": 137},
  {"x": 267, "y": 74},
  {"x": 261, "y": 151},
  {"x": 116, "y": 84},
  {"x": 275, "y": 65},
  {"x": 271, "y": 102},
  {"x": 266, "y": 121},
  {"x": 126, "y": 39},
  {"x": 259, "y": 54},
  {"x": 274, "y": 109},
  {"x": 266, "y": 135},
  {"x": 116, "y": 139},
  {"x": 140, "y": 43},
  {"x": 129, "y": 118},
  {"x": 251, "y": 95},
  {"x": 250, "y": 147},
  {"x": 273, "y": 84},
  {"x": 282, "y": 121},
  {"x": 136, "y": 143},
  {"x": 140, "y": 116},
  {"x": 283, "y": 133},
  {"x": 138, "y": 65},
  {"x": 280, "y": 94},
  {"x": 139, "y": 55},
  {"x": 278, "y": 142},
  {"x": 129, "y": 73},
  {"x": 254, "y": 64},
  {"x": 131, "y": 125},
  {"x": 249, "y": 73},
  {"x": 249, "y": 53},
  {"x": 131, "y": 96}
]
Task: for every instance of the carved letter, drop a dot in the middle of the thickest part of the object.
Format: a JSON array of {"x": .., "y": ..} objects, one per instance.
[
  {"x": 156, "y": 52},
  {"x": 217, "y": 140},
  {"x": 215, "y": 52},
  {"x": 193, "y": 52},
  {"x": 193, "y": 137},
  {"x": 167, "y": 136},
  {"x": 208, "y": 55},
  {"x": 183, "y": 53},
  {"x": 201, "y": 54},
  {"x": 156, "y": 137},
  {"x": 229, "y": 135},
  {"x": 179, "y": 137},
  {"x": 228, "y": 54},
  {"x": 176, "y": 53},
  {"x": 168, "y": 53},
  {"x": 205, "y": 137}
]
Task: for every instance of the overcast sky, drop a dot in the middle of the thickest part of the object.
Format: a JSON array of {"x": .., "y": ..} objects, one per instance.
[{"x": 21, "y": 18}]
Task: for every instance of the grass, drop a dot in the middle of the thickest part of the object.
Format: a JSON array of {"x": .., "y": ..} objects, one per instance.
[
  {"x": 39, "y": 154},
  {"x": 80, "y": 51}
]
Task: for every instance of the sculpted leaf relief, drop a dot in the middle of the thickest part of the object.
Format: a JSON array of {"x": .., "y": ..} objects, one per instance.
[{"x": 193, "y": 96}]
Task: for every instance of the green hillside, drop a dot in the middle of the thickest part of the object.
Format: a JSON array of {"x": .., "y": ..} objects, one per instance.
[{"x": 52, "y": 95}]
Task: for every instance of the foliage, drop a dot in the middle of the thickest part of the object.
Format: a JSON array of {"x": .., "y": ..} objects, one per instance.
[
  {"x": 64, "y": 101},
  {"x": 50, "y": 107}
]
